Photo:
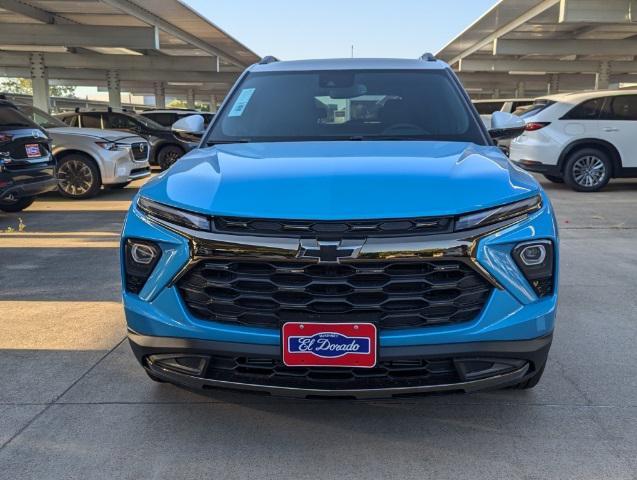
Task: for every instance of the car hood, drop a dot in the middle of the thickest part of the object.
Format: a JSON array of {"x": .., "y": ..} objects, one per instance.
[
  {"x": 341, "y": 180},
  {"x": 109, "y": 135}
]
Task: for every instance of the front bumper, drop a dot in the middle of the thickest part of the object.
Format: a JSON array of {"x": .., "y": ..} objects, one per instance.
[
  {"x": 119, "y": 167},
  {"x": 504, "y": 364}
]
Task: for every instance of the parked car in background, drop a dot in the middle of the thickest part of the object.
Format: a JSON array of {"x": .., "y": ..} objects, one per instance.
[
  {"x": 486, "y": 107},
  {"x": 26, "y": 163},
  {"x": 583, "y": 138},
  {"x": 167, "y": 117},
  {"x": 89, "y": 158},
  {"x": 165, "y": 147},
  {"x": 368, "y": 240}
]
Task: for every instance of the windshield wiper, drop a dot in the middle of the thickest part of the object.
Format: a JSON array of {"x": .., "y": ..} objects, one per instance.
[{"x": 210, "y": 143}]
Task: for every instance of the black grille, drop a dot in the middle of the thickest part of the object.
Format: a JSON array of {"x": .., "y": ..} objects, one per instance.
[
  {"x": 389, "y": 294},
  {"x": 140, "y": 150},
  {"x": 386, "y": 374},
  {"x": 323, "y": 229}
]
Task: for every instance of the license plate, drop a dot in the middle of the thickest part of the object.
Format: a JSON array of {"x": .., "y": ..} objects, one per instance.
[
  {"x": 33, "y": 150},
  {"x": 329, "y": 344}
]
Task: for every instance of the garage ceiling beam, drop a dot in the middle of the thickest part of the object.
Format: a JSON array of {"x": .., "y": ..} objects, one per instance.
[
  {"x": 564, "y": 47},
  {"x": 546, "y": 66},
  {"x": 124, "y": 62},
  {"x": 79, "y": 36},
  {"x": 151, "y": 19},
  {"x": 522, "y": 19},
  {"x": 223, "y": 78},
  {"x": 594, "y": 11},
  {"x": 29, "y": 11}
]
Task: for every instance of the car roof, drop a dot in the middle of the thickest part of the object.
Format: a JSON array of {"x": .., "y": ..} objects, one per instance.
[
  {"x": 172, "y": 110},
  {"x": 576, "y": 97},
  {"x": 493, "y": 100},
  {"x": 349, "y": 64}
]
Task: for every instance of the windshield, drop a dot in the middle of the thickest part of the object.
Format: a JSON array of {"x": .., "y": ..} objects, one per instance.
[
  {"x": 346, "y": 105},
  {"x": 40, "y": 117},
  {"x": 147, "y": 122}
]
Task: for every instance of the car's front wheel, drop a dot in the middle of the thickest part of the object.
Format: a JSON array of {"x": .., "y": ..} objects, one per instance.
[
  {"x": 78, "y": 177},
  {"x": 168, "y": 155},
  {"x": 17, "y": 205},
  {"x": 587, "y": 170}
]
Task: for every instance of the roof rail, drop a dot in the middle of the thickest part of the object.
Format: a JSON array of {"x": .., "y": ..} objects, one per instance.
[
  {"x": 427, "y": 57},
  {"x": 268, "y": 59}
]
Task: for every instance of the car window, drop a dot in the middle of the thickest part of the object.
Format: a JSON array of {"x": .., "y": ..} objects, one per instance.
[
  {"x": 347, "y": 104},
  {"x": 487, "y": 108},
  {"x": 10, "y": 117},
  {"x": 623, "y": 107},
  {"x": 518, "y": 104},
  {"x": 91, "y": 121},
  {"x": 165, "y": 118},
  {"x": 530, "y": 110},
  {"x": 118, "y": 121},
  {"x": 588, "y": 110},
  {"x": 70, "y": 120},
  {"x": 40, "y": 117}
]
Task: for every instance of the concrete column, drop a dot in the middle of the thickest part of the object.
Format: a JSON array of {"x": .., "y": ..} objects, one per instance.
[
  {"x": 554, "y": 84},
  {"x": 190, "y": 98},
  {"x": 114, "y": 90},
  {"x": 496, "y": 92},
  {"x": 213, "y": 103},
  {"x": 160, "y": 95},
  {"x": 39, "y": 82},
  {"x": 520, "y": 90},
  {"x": 602, "y": 77}
]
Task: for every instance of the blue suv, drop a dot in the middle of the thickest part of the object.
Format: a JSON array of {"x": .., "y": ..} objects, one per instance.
[{"x": 346, "y": 228}]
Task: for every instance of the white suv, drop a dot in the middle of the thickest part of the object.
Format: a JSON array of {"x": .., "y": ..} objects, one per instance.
[{"x": 583, "y": 139}]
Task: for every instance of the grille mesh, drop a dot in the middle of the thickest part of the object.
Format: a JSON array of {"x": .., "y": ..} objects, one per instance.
[{"x": 388, "y": 294}]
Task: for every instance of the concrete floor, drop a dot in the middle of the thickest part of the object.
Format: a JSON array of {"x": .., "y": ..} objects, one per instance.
[{"x": 74, "y": 404}]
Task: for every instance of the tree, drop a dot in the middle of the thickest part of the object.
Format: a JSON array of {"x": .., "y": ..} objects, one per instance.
[
  {"x": 23, "y": 86},
  {"x": 176, "y": 103}
]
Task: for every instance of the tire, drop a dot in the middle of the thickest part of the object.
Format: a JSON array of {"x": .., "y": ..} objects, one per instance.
[
  {"x": 531, "y": 382},
  {"x": 154, "y": 378},
  {"x": 18, "y": 205},
  {"x": 78, "y": 177},
  {"x": 587, "y": 170},
  {"x": 554, "y": 178},
  {"x": 168, "y": 155},
  {"x": 118, "y": 186}
]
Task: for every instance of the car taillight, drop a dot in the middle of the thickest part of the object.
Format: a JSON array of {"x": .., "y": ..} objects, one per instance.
[
  {"x": 5, "y": 137},
  {"x": 533, "y": 126}
]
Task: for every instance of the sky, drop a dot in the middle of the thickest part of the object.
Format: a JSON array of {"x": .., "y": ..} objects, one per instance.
[{"x": 296, "y": 29}]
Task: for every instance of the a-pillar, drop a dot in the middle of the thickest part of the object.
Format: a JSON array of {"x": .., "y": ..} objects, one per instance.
[
  {"x": 160, "y": 95},
  {"x": 114, "y": 90},
  {"x": 190, "y": 98},
  {"x": 602, "y": 77},
  {"x": 39, "y": 82}
]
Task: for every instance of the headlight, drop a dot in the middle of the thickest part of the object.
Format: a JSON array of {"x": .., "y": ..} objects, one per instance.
[
  {"x": 107, "y": 145},
  {"x": 168, "y": 214},
  {"x": 510, "y": 211}
]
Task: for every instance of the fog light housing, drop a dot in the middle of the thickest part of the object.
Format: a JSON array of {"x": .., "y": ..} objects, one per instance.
[
  {"x": 141, "y": 257},
  {"x": 536, "y": 261},
  {"x": 181, "y": 363}
]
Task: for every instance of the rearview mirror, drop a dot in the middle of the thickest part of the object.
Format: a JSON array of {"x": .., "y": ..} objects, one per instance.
[
  {"x": 191, "y": 126},
  {"x": 504, "y": 125}
]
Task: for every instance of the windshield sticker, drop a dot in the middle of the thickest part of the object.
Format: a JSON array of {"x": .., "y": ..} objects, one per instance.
[{"x": 241, "y": 102}]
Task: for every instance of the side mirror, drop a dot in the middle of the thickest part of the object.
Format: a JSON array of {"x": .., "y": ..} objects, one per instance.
[
  {"x": 190, "y": 127},
  {"x": 504, "y": 125}
]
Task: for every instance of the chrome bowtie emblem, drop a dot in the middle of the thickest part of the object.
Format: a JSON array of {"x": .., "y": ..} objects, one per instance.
[{"x": 329, "y": 251}]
